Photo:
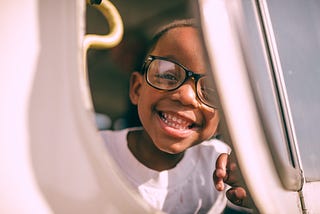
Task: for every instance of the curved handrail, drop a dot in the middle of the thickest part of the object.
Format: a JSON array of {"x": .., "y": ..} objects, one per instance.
[{"x": 111, "y": 39}]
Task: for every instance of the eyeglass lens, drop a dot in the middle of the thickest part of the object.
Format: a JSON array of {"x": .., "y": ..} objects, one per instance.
[{"x": 167, "y": 75}]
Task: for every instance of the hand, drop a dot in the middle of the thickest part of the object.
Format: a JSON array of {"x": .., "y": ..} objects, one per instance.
[{"x": 228, "y": 172}]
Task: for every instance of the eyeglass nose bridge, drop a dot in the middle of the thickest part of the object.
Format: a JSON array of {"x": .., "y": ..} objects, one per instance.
[{"x": 193, "y": 75}]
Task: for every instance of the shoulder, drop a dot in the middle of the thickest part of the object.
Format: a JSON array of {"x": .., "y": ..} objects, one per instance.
[
  {"x": 116, "y": 135},
  {"x": 112, "y": 133},
  {"x": 208, "y": 152},
  {"x": 215, "y": 145}
]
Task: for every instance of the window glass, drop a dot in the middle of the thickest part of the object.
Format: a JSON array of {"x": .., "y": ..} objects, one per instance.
[
  {"x": 297, "y": 33},
  {"x": 261, "y": 81}
]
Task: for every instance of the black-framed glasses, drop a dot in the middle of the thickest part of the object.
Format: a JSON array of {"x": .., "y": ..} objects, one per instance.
[{"x": 165, "y": 74}]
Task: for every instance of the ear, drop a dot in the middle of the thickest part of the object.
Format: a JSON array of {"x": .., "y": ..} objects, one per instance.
[{"x": 136, "y": 81}]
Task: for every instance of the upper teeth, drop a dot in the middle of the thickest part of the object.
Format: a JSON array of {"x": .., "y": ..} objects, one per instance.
[{"x": 174, "y": 121}]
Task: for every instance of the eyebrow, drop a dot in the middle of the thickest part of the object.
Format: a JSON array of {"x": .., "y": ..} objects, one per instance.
[{"x": 173, "y": 58}]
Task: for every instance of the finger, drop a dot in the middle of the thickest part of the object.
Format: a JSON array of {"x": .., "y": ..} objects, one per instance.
[
  {"x": 233, "y": 174},
  {"x": 220, "y": 173},
  {"x": 218, "y": 182},
  {"x": 221, "y": 165},
  {"x": 239, "y": 197}
]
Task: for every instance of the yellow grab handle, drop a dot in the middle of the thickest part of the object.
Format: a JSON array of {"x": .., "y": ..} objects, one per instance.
[{"x": 114, "y": 37}]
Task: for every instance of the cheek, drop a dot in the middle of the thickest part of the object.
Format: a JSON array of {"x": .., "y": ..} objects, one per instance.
[
  {"x": 149, "y": 96},
  {"x": 212, "y": 123},
  {"x": 147, "y": 102},
  {"x": 145, "y": 99}
]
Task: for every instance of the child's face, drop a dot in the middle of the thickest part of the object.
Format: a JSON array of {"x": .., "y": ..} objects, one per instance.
[{"x": 175, "y": 120}]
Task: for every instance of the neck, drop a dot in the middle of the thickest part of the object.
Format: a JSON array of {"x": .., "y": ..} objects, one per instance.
[{"x": 142, "y": 147}]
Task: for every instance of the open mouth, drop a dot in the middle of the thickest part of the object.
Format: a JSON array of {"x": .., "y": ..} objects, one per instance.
[{"x": 176, "y": 122}]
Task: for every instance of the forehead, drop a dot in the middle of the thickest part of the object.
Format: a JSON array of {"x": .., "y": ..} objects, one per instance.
[{"x": 184, "y": 45}]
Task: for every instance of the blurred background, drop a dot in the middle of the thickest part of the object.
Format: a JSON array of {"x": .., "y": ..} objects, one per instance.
[{"x": 109, "y": 70}]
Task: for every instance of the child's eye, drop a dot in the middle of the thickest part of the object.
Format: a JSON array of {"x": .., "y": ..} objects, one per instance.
[
  {"x": 208, "y": 90},
  {"x": 166, "y": 76},
  {"x": 166, "y": 79}
]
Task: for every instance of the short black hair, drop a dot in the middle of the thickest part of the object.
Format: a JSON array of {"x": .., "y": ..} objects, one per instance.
[{"x": 164, "y": 29}]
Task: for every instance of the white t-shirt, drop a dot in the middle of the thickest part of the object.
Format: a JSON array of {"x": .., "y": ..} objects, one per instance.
[{"x": 186, "y": 188}]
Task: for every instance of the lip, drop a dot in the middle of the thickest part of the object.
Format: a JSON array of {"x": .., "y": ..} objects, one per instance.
[{"x": 176, "y": 125}]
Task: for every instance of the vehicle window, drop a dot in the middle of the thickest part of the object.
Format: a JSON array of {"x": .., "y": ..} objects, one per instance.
[
  {"x": 262, "y": 82},
  {"x": 297, "y": 34},
  {"x": 264, "y": 87}
]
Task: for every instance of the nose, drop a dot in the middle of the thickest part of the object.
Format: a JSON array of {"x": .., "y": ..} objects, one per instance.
[{"x": 186, "y": 94}]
